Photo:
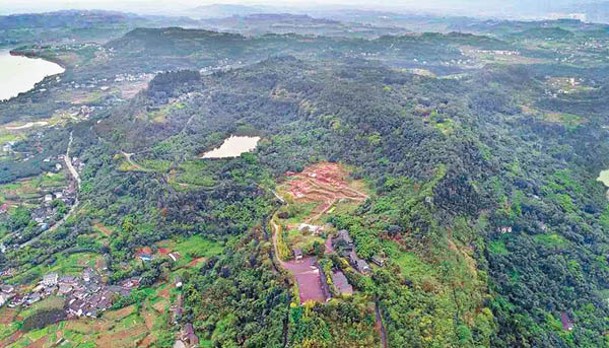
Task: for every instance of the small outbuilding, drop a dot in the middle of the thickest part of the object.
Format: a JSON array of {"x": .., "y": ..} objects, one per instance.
[
  {"x": 362, "y": 266},
  {"x": 379, "y": 261}
]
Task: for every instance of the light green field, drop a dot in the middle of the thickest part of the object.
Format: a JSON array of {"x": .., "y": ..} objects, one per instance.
[
  {"x": 554, "y": 240},
  {"x": 604, "y": 177},
  {"x": 197, "y": 246},
  {"x": 192, "y": 248},
  {"x": 298, "y": 240},
  {"x": 195, "y": 173}
]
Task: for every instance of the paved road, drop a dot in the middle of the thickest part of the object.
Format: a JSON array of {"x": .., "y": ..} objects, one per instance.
[{"x": 68, "y": 161}]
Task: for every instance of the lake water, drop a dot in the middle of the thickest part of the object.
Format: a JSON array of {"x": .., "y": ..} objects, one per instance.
[
  {"x": 20, "y": 74},
  {"x": 233, "y": 147}
]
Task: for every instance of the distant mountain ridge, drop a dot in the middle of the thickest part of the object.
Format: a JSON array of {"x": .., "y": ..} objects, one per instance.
[
  {"x": 221, "y": 10},
  {"x": 78, "y": 26},
  {"x": 63, "y": 18}
]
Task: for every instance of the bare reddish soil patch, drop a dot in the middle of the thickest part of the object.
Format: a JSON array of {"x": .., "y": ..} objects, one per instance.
[
  {"x": 120, "y": 313},
  {"x": 39, "y": 343},
  {"x": 329, "y": 246},
  {"x": 164, "y": 293},
  {"x": 160, "y": 306},
  {"x": 12, "y": 339},
  {"x": 197, "y": 262},
  {"x": 325, "y": 184},
  {"x": 100, "y": 264},
  {"x": 149, "y": 319},
  {"x": 148, "y": 341},
  {"x": 8, "y": 316}
]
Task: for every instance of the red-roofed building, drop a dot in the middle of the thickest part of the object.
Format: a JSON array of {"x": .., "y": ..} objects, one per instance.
[
  {"x": 145, "y": 254},
  {"x": 163, "y": 251}
]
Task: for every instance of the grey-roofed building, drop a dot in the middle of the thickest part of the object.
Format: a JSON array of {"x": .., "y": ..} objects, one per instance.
[{"x": 50, "y": 279}]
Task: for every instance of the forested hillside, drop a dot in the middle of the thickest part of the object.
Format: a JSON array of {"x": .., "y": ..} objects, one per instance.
[{"x": 474, "y": 160}]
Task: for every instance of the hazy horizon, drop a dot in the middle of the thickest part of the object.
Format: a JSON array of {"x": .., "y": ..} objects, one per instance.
[{"x": 509, "y": 8}]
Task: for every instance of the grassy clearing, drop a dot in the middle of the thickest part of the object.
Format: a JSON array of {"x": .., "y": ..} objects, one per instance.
[
  {"x": 412, "y": 266},
  {"x": 52, "y": 302},
  {"x": 161, "y": 115},
  {"x": 75, "y": 263},
  {"x": 296, "y": 239},
  {"x": 197, "y": 246},
  {"x": 447, "y": 126},
  {"x": 192, "y": 250},
  {"x": 497, "y": 247},
  {"x": 299, "y": 212},
  {"x": 194, "y": 173},
  {"x": 155, "y": 165},
  {"x": 8, "y": 137},
  {"x": 568, "y": 120},
  {"x": 551, "y": 241},
  {"x": 6, "y": 330}
]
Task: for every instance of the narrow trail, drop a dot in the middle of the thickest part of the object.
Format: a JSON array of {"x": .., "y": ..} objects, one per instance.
[
  {"x": 279, "y": 197},
  {"x": 380, "y": 325},
  {"x": 275, "y": 229},
  {"x": 274, "y": 259}
]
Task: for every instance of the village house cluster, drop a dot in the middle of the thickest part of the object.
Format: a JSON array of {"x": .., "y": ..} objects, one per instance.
[
  {"x": 223, "y": 64},
  {"x": 345, "y": 247},
  {"x": 132, "y": 78},
  {"x": 85, "y": 295},
  {"x": 81, "y": 112},
  {"x": 8, "y": 148},
  {"x": 344, "y": 244},
  {"x": 52, "y": 204},
  {"x": 45, "y": 214}
]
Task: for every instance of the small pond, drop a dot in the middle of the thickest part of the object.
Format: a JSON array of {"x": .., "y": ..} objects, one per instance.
[{"x": 233, "y": 147}]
